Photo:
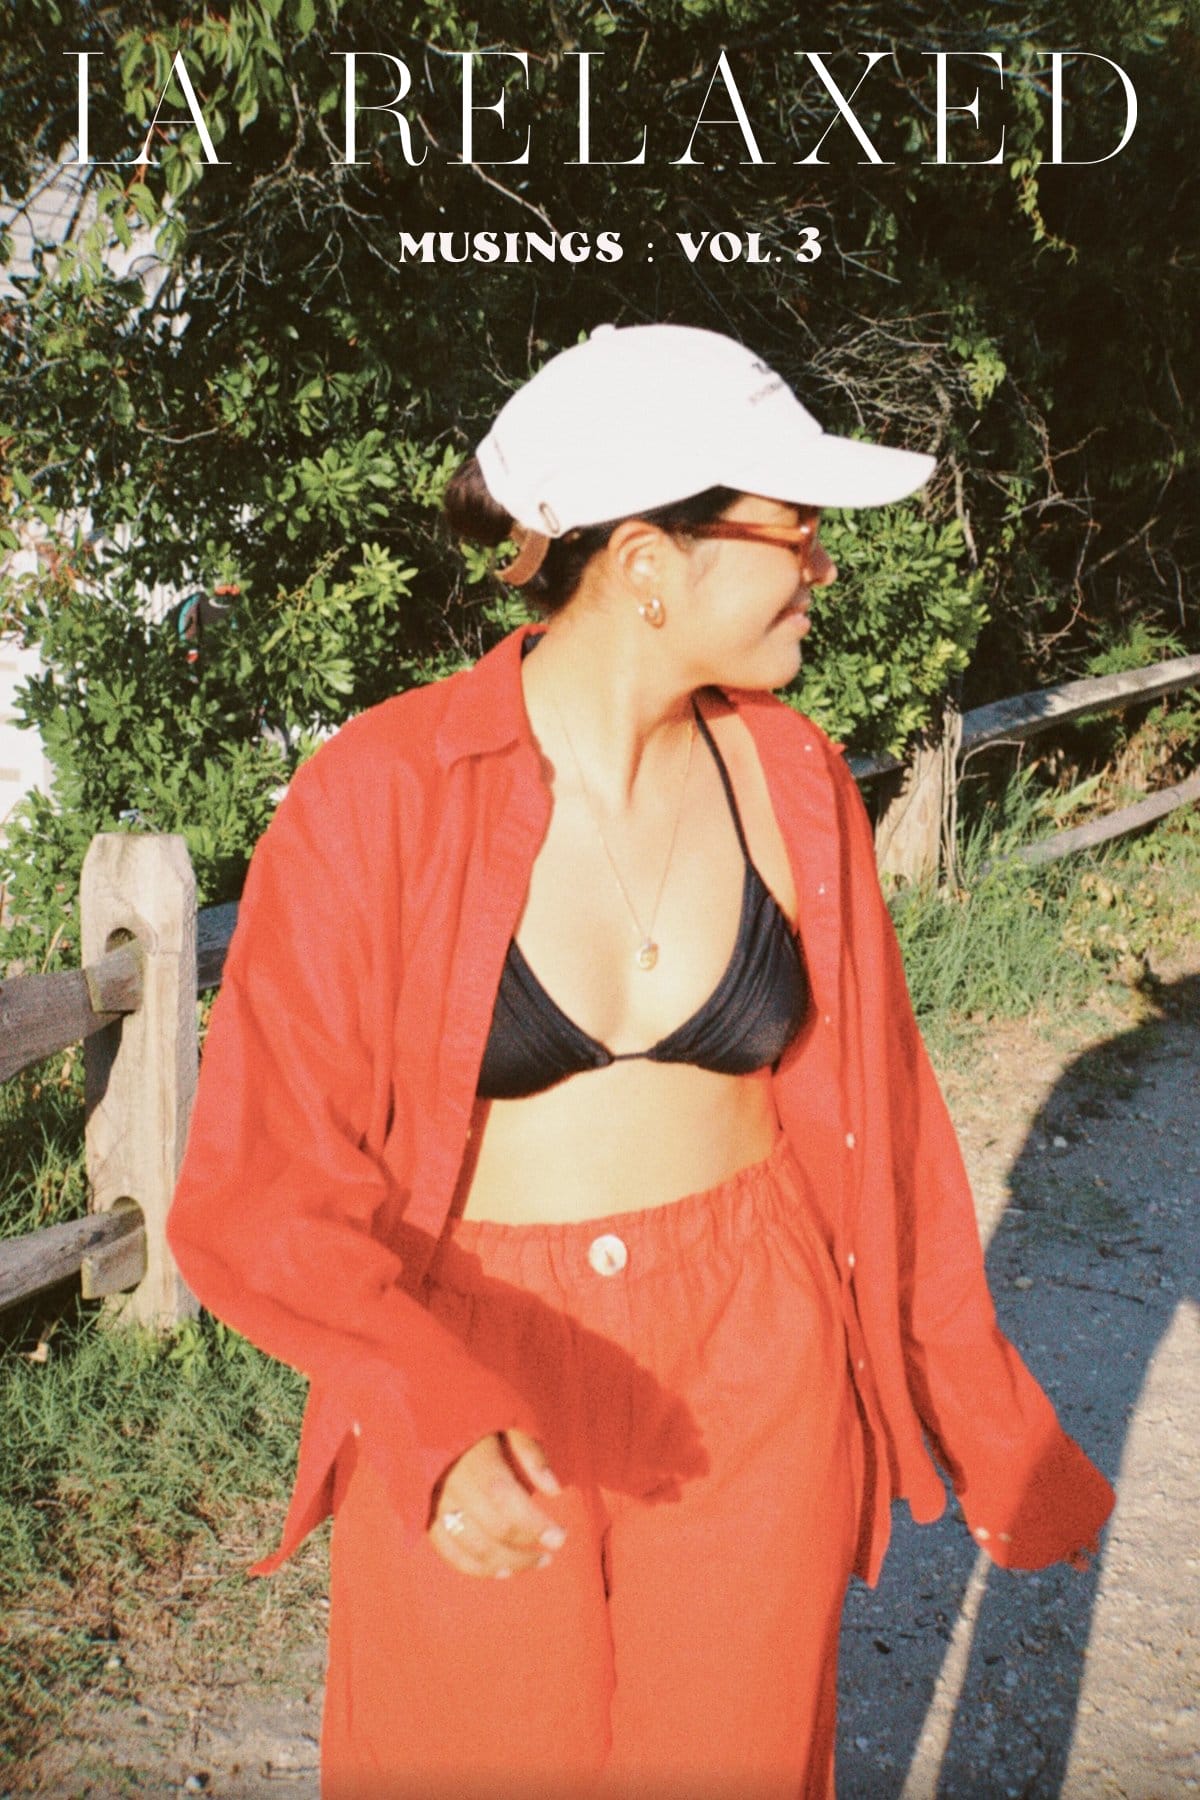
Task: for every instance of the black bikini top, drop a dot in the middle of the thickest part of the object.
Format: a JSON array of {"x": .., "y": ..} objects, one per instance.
[{"x": 746, "y": 1023}]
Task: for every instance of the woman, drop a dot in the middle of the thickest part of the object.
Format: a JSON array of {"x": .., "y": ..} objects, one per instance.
[{"x": 563, "y": 1117}]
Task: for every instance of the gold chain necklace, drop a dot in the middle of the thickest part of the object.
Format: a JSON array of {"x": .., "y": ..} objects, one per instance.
[{"x": 646, "y": 954}]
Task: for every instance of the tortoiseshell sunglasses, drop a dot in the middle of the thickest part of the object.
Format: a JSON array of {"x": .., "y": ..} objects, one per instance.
[{"x": 784, "y": 537}]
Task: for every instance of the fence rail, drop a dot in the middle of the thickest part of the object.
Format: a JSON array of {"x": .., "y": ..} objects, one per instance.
[
  {"x": 147, "y": 953},
  {"x": 1113, "y": 825},
  {"x": 43, "y": 1014},
  {"x": 1026, "y": 715},
  {"x": 915, "y": 830},
  {"x": 1023, "y": 716},
  {"x": 107, "y": 1250}
]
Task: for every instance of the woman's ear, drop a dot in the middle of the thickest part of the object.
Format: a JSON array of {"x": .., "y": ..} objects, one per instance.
[{"x": 639, "y": 554}]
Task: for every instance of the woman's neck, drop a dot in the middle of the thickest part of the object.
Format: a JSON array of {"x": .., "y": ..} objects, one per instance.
[{"x": 621, "y": 709}]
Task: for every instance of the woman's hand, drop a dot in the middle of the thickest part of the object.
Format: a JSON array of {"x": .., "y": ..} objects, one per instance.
[{"x": 502, "y": 1527}]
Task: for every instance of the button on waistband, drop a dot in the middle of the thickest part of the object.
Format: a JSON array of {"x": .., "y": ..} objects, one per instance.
[{"x": 608, "y": 1254}]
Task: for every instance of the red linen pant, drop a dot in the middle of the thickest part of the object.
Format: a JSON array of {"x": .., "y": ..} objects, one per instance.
[{"x": 688, "y": 1367}]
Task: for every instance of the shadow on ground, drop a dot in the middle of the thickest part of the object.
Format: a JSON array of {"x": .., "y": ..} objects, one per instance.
[{"x": 959, "y": 1679}]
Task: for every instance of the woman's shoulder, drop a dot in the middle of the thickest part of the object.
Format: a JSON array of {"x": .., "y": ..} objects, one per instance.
[
  {"x": 385, "y": 762},
  {"x": 428, "y": 729},
  {"x": 399, "y": 731}
]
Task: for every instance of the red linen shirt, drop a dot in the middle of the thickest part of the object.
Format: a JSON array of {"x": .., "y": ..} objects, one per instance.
[{"x": 339, "y": 1075}]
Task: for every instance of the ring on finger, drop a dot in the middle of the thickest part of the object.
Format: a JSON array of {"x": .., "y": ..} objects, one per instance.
[{"x": 454, "y": 1522}]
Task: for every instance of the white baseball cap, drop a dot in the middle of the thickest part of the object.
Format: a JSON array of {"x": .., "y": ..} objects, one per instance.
[{"x": 641, "y": 415}]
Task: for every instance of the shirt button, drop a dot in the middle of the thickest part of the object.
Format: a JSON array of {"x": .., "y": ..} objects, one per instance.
[
  {"x": 982, "y": 1533},
  {"x": 829, "y": 1018},
  {"x": 821, "y": 889},
  {"x": 851, "y": 1260},
  {"x": 850, "y": 1140},
  {"x": 607, "y": 1254},
  {"x": 356, "y": 1428}
]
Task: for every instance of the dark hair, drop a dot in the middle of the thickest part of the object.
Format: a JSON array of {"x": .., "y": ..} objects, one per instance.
[{"x": 473, "y": 514}]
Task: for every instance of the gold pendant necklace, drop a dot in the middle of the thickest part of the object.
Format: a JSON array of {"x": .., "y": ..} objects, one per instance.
[{"x": 646, "y": 954}]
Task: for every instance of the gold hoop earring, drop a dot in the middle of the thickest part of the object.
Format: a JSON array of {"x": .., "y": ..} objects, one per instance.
[{"x": 653, "y": 612}]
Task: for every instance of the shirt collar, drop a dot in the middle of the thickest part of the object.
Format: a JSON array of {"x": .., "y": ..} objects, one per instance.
[{"x": 485, "y": 709}]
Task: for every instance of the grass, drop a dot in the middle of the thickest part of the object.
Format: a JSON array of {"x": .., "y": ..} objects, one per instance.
[
  {"x": 123, "y": 1455},
  {"x": 120, "y": 1454},
  {"x": 42, "y": 1176},
  {"x": 190, "y": 1425},
  {"x": 1006, "y": 941},
  {"x": 117, "y": 1454}
]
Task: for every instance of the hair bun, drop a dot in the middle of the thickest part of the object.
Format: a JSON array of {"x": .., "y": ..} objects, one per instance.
[{"x": 471, "y": 511}]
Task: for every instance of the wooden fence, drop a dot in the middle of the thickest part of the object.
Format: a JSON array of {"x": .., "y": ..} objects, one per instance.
[
  {"x": 914, "y": 832},
  {"x": 147, "y": 953}
]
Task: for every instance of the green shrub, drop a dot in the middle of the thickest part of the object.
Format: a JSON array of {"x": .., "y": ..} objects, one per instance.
[{"x": 893, "y": 631}]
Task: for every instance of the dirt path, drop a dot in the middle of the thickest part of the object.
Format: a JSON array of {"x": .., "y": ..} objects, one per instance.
[{"x": 957, "y": 1680}]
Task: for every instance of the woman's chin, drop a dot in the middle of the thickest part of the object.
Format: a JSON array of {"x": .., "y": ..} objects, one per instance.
[
  {"x": 776, "y": 667},
  {"x": 788, "y": 655}
]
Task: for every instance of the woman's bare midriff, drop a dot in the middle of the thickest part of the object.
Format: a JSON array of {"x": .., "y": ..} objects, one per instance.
[
  {"x": 637, "y": 1133},
  {"x": 620, "y": 1139}
]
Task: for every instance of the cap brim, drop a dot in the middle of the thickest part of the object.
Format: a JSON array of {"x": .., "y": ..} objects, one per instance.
[{"x": 817, "y": 469}]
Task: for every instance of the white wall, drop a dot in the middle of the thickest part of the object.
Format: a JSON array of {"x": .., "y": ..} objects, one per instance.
[{"x": 23, "y": 765}]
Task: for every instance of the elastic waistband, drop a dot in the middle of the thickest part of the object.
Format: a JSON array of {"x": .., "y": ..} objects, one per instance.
[{"x": 473, "y": 1254}]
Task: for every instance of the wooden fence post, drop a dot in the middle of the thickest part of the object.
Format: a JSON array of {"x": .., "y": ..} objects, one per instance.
[
  {"x": 916, "y": 827},
  {"x": 140, "y": 1074}
]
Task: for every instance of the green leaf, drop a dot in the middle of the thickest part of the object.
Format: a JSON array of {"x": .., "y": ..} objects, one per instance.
[{"x": 143, "y": 200}]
